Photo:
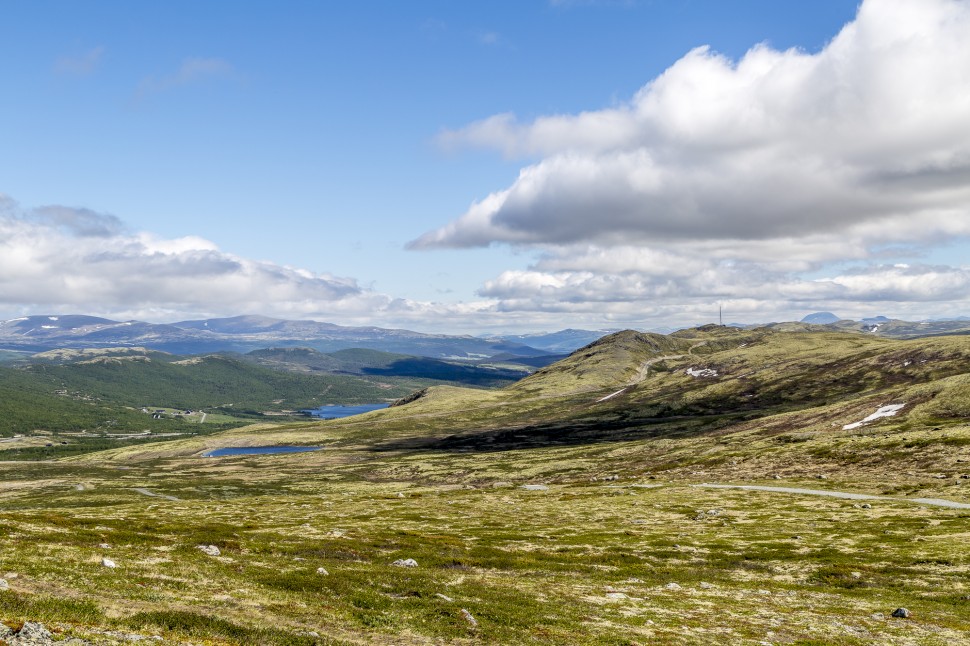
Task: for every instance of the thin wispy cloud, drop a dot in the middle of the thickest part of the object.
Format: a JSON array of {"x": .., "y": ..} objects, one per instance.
[
  {"x": 80, "y": 64},
  {"x": 191, "y": 71},
  {"x": 591, "y": 3},
  {"x": 489, "y": 38}
]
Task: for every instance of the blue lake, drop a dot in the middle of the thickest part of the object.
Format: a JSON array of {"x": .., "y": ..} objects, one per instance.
[
  {"x": 336, "y": 412},
  {"x": 258, "y": 450}
]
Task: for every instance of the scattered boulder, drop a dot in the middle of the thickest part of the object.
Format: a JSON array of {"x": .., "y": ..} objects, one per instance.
[
  {"x": 902, "y": 613},
  {"x": 672, "y": 586},
  {"x": 616, "y": 595},
  {"x": 405, "y": 563},
  {"x": 33, "y": 633},
  {"x": 106, "y": 562},
  {"x": 104, "y": 546},
  {"x": 534, "y": 487},
  {"x": 323, "y": 571},
  {"x": 866, "y": 505},
  {"x": 211, "y": 550},
  {"x": 467, "y": 616},
  {"x": 444, "y": 597},
  {"x": 4, "y": 585}
]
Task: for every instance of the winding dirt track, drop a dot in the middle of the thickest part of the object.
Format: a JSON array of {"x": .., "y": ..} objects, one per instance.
[{"x": 936, "y": 502}]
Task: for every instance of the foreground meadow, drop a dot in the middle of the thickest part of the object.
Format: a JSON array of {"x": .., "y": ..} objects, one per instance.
[{"x": 553, "y": 512}]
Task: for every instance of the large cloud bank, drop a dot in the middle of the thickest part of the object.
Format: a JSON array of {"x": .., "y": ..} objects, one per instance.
[
  {"x": 723, "y": 179},
  {"x": 66, "y": 259},
  {"x": 875, "y": 128}
]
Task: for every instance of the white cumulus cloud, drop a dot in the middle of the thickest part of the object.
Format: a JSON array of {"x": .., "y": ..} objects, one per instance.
[
  {"x": 66, "y": 259},
  {"x": 872, "y": 132},
  {"x": 775, "y": 185}
]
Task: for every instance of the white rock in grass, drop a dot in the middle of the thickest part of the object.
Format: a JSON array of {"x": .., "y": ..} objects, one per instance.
[
  {"x": 534, "y": 487},
  {"x": 405, "y": 563},
  {"x": 4, "y": 585},
  {"x": 444, "y": 596},
  {"x": 322, "y": 570},
  {"x": 106, "y": 562},
  {"x": 672, "y": 586},
  {"x": 467, "y": 616},
  {"x": 211, "y": 550}
]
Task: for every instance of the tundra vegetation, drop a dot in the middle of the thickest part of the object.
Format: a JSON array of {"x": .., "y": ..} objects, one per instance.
[{"x": 570, "y": 507}]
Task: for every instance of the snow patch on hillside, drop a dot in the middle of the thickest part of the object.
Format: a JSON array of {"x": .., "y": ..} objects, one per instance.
[
  {"x": 610, "y": 396},
  {"x": 885, "y": 411}
]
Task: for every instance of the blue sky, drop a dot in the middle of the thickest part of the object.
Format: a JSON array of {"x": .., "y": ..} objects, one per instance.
[{"x": 335, "y": 161}]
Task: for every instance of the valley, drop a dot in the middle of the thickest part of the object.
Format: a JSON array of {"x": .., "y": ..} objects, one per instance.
[{"x": 647, "y": 489}]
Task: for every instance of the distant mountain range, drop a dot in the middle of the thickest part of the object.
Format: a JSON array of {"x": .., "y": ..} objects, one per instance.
[
  {"x": 247, "y": 333},
  {"x": 892, "y": 328}
]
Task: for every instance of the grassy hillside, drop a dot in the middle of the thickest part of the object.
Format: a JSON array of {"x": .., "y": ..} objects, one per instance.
[
  {"x": 208, "y": 382},
  {"x": 66, "y": 402},
  {"x": 574, "y": 507},
  {"x": 375, "y": 363}
]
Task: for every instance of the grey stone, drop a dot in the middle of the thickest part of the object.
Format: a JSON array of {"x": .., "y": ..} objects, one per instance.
[
  {"x": 34, "y": 633},
  {"x": 405, "y": 563},
  {"x": 467, "y": 616},
  {"x": 534, "y": 487},
  {"x": 672, "y": 586},
  {"x": 211, "y": 550},
  {"x": 4, "y": 585},
  {"x": 106, "y": 562},
  {"x": 322, "y": 570},
  {"x": 902, "y": 613}
]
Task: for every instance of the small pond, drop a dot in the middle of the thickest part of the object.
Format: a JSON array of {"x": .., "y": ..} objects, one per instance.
[
  {"x": 258, "y": 450},
  {"x": 336, "y": 412}
]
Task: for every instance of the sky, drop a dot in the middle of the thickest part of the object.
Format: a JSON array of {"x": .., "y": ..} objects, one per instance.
[{"x": 486, "y": 167}]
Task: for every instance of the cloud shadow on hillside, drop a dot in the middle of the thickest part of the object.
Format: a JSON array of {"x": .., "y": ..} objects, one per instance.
[{"x": 575, "y": 433}]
